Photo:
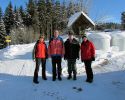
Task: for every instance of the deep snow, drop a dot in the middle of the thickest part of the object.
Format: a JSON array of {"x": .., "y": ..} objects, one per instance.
[{"x": 17, "y": 68}]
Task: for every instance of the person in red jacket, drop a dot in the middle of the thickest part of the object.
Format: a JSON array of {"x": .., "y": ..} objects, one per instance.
[
  {"x": 39, "y": 56},
  {"x": 87, "y": 56},
  {"x": 56, "y": 52}
]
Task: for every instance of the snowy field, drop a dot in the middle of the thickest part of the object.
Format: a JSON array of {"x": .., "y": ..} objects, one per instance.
[{"x": 17, "y": 68}]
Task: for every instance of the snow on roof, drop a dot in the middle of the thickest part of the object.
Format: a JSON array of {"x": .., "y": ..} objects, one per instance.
[
  {"x": 101, "y": 35},
  {"x": 74, "y": 17}
]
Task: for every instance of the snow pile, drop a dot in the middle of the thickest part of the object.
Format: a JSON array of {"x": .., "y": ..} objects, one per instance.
[
  {"x": 118, "y": 40},
  {"x": 100, "y": 40},
  {"x": 15, "y": 50}
]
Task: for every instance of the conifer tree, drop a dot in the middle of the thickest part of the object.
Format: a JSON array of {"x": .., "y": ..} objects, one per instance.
[
  {"x": 42, "y": 15},
  {"x": 32, "y": 15},
  {"x": 64, "y": 18},
  {"x": 24, "y": 16},
  {"x": 70, "y": 8},
  {"x": 49, "y": 17},
  {"x": 18, "y": 19},
  {"x": 2, "y": 31},
  {"x": 57, "y": 15},
  {"x": 9, "y": 18}
]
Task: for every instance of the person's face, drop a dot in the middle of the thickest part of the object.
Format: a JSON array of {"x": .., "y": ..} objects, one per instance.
[
  {"x": 41, "y": 39},
  {"x": 71, "y": 37},
  {"x": 84, "y": 39},
  {"x": 56, "y": 33}
]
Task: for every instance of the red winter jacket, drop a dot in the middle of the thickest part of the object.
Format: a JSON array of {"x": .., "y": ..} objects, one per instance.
[
  {"x": 87, "y": 50},
  {"x": 56, "y": 47},
  {"x": 40, "y": 50}
]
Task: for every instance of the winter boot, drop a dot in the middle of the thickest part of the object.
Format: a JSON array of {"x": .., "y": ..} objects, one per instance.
[
  {"x": 89, "y": 80},
  {"x": 59, "y": 78},
  {"x": 36, "y": 81},
  {"x": 74, "y": 77},
  {"x": 35, "y": 78},
  {"x": 69, "y": 77},
  {"x": 44, "y": 77},
  {"x": 54, "y": 78},
  {"x": 44, "y": 74}
]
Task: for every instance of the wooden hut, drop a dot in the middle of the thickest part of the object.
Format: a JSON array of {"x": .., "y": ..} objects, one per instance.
[{"x": 79, "y": 22}]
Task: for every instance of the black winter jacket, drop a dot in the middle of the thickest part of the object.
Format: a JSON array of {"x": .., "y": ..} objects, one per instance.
[{"x": 71, "y": 49}]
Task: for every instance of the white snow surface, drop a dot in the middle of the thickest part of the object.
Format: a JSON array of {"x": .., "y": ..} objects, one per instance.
[{"x": 17, "y": 68}]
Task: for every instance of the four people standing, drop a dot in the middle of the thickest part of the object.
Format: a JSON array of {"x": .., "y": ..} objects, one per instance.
[{"x": 69, "y": 50}]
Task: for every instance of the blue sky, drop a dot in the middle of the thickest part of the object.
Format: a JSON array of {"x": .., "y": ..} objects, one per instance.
[
  {"x": 4, "y": 3},
  {"x": 110, "y": 9},
  {"x": 104, "y": 10}
]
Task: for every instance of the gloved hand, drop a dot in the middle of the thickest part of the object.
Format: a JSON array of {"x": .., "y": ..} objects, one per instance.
[{"x": 93, "y": 58}]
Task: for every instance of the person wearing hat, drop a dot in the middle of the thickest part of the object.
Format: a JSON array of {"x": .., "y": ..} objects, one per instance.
[
  {"x": 87, "y": 56},
  {"x": 39, "y": 56},
  {"x": 72, "y": 48}
]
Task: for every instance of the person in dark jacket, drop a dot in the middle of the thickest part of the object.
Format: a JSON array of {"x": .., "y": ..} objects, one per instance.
[
  {"x": 87, "y": 56},
  {"x": 39, "y": 56},
  {"x": 72, "y": 48}
]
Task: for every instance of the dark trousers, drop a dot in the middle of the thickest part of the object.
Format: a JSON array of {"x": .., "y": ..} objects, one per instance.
[
  {"x": 38, "y": 62},
  {"x": 88, "y": 69},
  {"x": 56, "y": 66},
  {"x": 72, "y": 66}
]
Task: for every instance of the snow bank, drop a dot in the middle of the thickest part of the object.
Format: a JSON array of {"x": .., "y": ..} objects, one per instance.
[
  {"x": 118, "y": 40},
  {"x": 16, "y": 50},
  {"x": 100, "y": 40}
]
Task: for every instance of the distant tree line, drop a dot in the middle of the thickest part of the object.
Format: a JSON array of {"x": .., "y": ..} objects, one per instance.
[
  {"x": 107, "y": 26},
  {"x": 39, "y": 16}
]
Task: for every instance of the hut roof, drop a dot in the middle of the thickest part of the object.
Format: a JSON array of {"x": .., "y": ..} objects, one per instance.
[{"x": 81, "y": 19}]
